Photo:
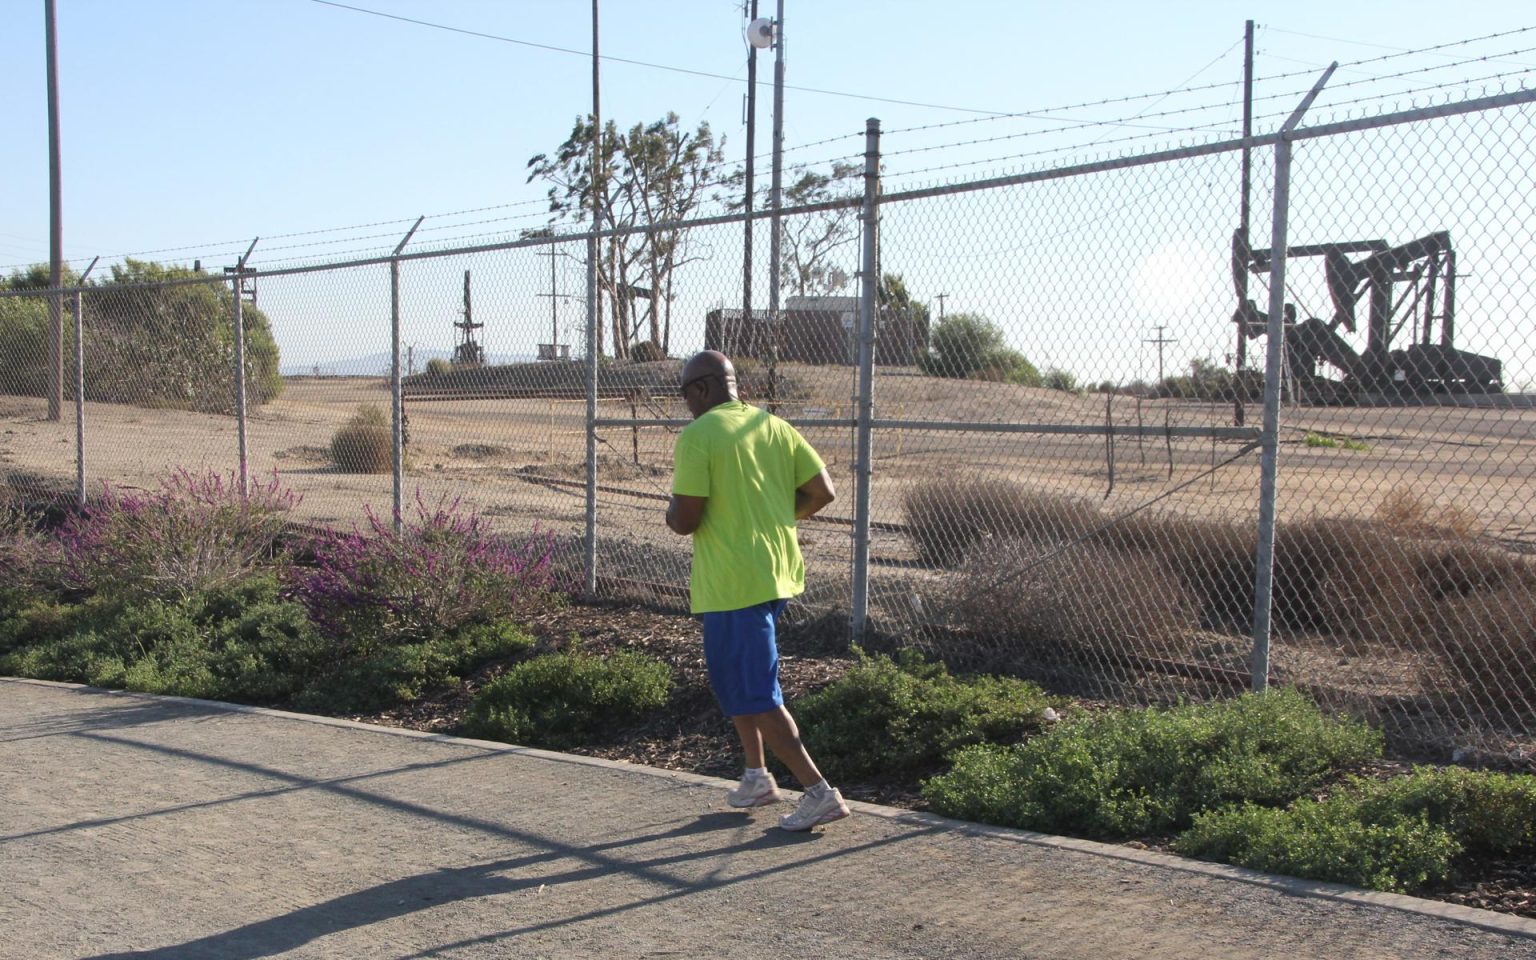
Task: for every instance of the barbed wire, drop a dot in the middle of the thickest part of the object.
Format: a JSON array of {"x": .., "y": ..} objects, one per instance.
[
  {"x": 1289, "y": 96},
  {"x": 1043, "y": 112},
  {"x": 1199, "y": 130}
]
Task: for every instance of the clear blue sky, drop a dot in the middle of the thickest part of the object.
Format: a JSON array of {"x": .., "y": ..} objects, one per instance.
[
  {"x": 196, "y": 123},
  {"x": 189, "y": 121}
]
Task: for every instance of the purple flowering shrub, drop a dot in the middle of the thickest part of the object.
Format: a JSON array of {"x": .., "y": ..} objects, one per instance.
[
  {"x": 28, "y": 559},
  {"x": 195, "y": 533},
  {"x": 445, "y": 571}
]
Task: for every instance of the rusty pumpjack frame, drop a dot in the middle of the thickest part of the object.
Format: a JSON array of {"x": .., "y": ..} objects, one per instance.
[{"x": 1428, "y": 365}]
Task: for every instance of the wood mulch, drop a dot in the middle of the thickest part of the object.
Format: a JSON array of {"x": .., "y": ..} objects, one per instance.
[{"x": 692, "y": 735}]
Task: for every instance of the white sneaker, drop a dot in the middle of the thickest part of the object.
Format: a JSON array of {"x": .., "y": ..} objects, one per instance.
[
  {"x": 813, "y": 810},
  {"x": 754, "y": 790}
]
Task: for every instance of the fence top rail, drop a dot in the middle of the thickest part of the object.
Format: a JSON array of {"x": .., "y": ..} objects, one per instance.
[{"x": 1416, "y": 115}]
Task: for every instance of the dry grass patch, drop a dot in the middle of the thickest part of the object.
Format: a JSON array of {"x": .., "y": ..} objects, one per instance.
[
  {"x": 1489, "y": 639},
  {"x": 1410, "y": 514},
  {"x": 1086, "y": 604},
  {"x": 947, "y": 518},
  {"x": 365, "y": 443}
]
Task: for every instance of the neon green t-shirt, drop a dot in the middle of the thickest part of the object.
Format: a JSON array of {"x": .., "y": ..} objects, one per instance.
[{"x": 748, "y": 463}]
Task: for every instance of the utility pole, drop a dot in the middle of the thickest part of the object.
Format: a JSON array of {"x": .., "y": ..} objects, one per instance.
[
  {"x": 941, "y": 297},
  {"x": 775, "y": 200},
  {"x": 55, "y": 224},
  {"x": 746, "y": 249},
  {"x": 1241, "y": 359},
  {"x": 1160, "y": 340},
  {"x": 599, "y": 187},
  {"x": 468, "y": 352}
]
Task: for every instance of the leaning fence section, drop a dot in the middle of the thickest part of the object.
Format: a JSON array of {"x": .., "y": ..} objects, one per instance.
[{"x": 1041, "y": 399}]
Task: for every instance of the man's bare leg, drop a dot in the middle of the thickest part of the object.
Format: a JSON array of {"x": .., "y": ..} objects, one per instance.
[
  {"x": 751, "y": 741},
  {"x": 777, "y": 729}
]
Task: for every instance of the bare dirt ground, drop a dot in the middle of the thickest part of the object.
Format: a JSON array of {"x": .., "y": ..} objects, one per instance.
[{"x": 492, "y": 452}]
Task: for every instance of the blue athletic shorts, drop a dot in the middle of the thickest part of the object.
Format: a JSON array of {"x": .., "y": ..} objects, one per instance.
[{"x": 743, "y": 658}]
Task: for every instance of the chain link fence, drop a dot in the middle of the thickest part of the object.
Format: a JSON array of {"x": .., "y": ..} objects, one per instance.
[{"x": 1082, "y": 428}]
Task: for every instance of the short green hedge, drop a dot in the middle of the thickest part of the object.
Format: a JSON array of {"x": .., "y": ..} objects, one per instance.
[
  {"x": 1129, "y": 772},
  {"x": 568, "y": 699}
]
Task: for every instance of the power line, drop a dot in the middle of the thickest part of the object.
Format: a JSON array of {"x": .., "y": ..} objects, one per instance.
[{"x": 587, "y": 54}]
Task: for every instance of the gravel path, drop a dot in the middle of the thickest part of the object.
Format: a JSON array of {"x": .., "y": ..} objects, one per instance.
[{"x": 135, "y": 826}]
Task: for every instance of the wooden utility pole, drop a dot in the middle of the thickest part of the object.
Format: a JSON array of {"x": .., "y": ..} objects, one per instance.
[
  {"x": 1160, "y": 340},
  {"x": 55, "y": 225},
  {"x": 599, "y": 186},
  {"x": 746, "y": 249}
]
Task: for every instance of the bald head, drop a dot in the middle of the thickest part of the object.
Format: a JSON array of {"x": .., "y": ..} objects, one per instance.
[
  {"x": 708, "y": 380},
  {"x": 709, "y": 363}
]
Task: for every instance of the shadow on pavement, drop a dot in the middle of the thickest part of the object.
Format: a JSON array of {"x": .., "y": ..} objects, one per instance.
[{"x": 408, "y": 895}]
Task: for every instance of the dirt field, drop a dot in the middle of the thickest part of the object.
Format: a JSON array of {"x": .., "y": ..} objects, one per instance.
[
  {"x": 500, "y": 455},
  {"x": 520, "y": 462}
]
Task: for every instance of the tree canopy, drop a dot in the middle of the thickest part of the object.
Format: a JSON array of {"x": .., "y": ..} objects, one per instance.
[
  {"x": 653, "y": 173},
  {"x": 149, "y": 339},
  {"x": 971, "y": 346}
]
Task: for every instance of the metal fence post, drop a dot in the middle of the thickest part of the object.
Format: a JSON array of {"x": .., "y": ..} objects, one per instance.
[
  {"x": 1264, "y": 578},
  {"x": 237, "y": 277},
  {"x": 396, "y": 388},
  {"x": 240, "y": 425},
  {"x": 869, "y": 289},
  {"x": 80, "y": 384},
  {"x": 79, "y": 401},
  {"x": 591, "y": 532}
]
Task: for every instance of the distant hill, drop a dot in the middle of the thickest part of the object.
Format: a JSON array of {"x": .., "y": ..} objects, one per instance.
[{"x": 377, "y": 364}]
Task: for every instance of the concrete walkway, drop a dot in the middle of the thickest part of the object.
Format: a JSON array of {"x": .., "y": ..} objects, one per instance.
[{"x": 135, "y": 826}]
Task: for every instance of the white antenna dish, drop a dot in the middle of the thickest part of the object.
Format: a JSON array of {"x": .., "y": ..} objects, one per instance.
[{"x": 760, "y": 33}]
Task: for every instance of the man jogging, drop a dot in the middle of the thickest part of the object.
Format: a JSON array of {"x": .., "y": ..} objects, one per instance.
[{"x": 742, "y": 478}]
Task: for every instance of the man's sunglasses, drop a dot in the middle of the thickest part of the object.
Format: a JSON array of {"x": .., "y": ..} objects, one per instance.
[{"x": 689, "y": 383}]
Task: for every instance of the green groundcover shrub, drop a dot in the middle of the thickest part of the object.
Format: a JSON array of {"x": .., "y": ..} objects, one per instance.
[
  {"x": 568, "y": 699},
  {"x": 1133, "y": 772},
  {"x": 239, "y": 642},
  {"x": 1403, "y": 835},
  {"x": 245, "y": 643},
  {"x": 367, "y": 679},
  {"x": 898, "y": 719}
]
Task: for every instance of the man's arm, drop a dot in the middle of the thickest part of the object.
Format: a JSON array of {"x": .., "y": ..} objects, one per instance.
[
  {"x": 684, "y": 513},
  {"x": 814, "y": 494}
]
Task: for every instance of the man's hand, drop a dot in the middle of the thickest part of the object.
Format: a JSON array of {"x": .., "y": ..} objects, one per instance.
[
  {"x": 684, "y": 514},
  {"x": 812, "y": 495}
]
